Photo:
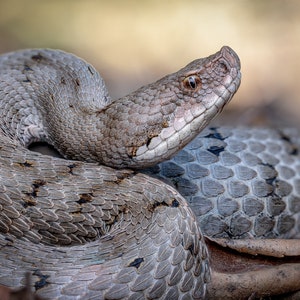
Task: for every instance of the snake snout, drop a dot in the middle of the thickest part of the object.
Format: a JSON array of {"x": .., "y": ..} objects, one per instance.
[{"x": 231, "y": 57}]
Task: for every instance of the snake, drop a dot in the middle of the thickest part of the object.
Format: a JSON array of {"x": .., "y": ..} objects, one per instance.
[{"x": 123, "y": 213}]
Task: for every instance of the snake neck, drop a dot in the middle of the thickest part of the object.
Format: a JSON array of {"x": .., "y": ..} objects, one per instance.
[{"x": 154, "y": 122}]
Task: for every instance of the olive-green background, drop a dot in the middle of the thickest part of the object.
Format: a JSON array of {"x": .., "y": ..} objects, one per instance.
[{"x": 135, "y": 42}]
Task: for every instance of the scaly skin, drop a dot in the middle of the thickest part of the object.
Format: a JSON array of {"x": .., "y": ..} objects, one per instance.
[
  {"x": 240, "y": 182},
  {"x": 138, "y": 237},
  {"x": 86, "y": 231}
]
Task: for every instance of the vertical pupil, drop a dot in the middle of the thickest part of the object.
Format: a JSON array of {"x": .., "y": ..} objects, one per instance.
[{"x": 192, "y": 82}]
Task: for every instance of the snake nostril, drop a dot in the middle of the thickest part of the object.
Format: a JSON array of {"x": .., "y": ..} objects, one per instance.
[{"x": 224, "y": 67}]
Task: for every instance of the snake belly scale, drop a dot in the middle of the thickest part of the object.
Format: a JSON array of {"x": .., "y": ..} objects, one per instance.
[{"x": 89, "y": 231}]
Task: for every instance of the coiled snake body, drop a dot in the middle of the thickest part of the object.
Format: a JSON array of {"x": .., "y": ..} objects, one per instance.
[{"x": 87, "y": 231}]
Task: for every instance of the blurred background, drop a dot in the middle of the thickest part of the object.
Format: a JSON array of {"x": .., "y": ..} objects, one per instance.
[{"x": 135, "y": 42}]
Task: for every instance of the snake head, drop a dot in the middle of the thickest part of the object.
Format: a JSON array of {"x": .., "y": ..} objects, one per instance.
[{"x": 159, "y": 119}]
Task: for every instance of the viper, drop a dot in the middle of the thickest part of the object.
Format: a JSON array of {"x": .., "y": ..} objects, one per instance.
[{"x": 110, "y": 219}]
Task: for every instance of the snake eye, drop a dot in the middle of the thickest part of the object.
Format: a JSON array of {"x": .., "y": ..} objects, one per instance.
[{"x": 192, "y": 83}]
